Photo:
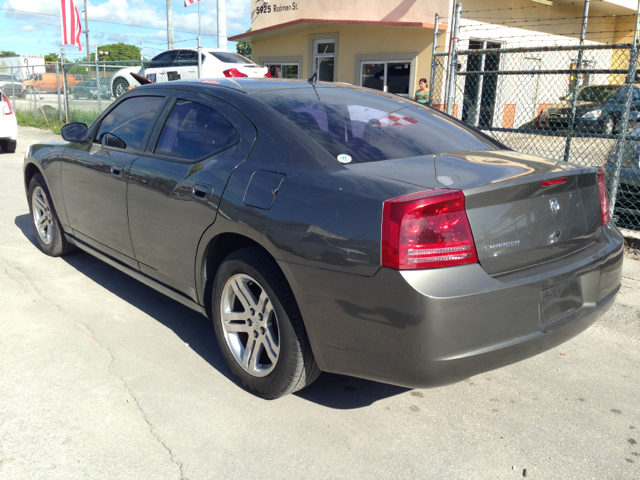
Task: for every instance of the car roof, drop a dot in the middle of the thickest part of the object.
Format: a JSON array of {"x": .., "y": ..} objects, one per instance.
[{"x": 255, "y": 85}]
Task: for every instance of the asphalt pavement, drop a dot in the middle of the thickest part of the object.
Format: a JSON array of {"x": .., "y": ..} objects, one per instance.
[{"x": 102, "y": 377}]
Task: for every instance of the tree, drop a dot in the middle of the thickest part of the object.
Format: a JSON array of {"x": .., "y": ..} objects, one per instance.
[
  {"x": 244, "y": 48},
  {"x": 52, "y": 57},
  {"x": 8, "y": 53},
  {"x": 117, "y": 51}
]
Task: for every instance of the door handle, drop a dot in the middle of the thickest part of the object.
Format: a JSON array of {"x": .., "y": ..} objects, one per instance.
[
  {"x": 117, "y": 170},
  {"x": 201, "y": 191}
]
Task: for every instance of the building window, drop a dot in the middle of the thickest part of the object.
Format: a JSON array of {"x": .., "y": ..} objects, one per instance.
[
  {"x": 283, "y": 70},
  {"x": 324, "y": 50},
  {"x": 391, "y": 77}
]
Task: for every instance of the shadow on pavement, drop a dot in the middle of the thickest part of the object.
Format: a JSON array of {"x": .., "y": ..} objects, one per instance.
[{"x": 330, "y": 390}]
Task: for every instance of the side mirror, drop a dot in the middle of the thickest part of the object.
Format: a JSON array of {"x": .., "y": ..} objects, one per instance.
[{"x": 74, "y": 132}]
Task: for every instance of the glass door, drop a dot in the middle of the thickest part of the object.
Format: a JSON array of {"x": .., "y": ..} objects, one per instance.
[
  {"x": 392, "y": 77},
  {"x": 324, "y": 50}
]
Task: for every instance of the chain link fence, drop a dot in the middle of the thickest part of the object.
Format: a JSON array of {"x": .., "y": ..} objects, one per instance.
[{"x": 578, "y": 104}]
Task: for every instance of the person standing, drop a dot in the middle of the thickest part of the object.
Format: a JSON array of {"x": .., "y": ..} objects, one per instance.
[{"x": 422, "y": 95}]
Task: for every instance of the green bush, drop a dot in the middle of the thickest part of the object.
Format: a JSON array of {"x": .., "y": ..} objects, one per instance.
[
  {"x": 28, "y": 119},
  {"x": 52, "y": 122}
]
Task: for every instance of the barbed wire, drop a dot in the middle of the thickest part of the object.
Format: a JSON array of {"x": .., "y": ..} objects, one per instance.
[{"x": 581, "y": 2}]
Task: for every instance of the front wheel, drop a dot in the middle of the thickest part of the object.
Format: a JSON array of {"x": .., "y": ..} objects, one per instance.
[
  {"x": 44, "y": 220},
  {"x": 259, "y": 327},
  {"x": 120, "y": 87}
]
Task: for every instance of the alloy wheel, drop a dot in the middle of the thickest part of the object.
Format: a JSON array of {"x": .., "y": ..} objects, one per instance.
[
  {"x": 42, "y": 215},
  {"x": 250, "y": 325}
]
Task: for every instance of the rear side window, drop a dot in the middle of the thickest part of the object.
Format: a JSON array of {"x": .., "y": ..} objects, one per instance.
[
  {"x": 165, "y": 59},
  {"x": 194, "y": 131},
  {"x": 125, "y": 126},
  {"x": 231, "y": 57},
  {"x": 357, "y": 126}
]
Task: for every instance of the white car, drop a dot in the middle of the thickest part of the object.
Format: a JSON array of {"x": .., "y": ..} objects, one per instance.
[
  {"x": 183, "y": 65},
  {"x": 122, "y": 80},
  {"x": 8, "y": 126}
]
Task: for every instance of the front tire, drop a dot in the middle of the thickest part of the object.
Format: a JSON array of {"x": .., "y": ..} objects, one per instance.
[
  {"x": 120, "y": 87},
  {"x": 259, "y": 327},
  {"x": 44, "y": 220}
]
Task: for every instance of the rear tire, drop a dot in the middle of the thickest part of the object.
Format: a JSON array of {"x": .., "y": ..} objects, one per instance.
[
  {"x": 9, "y": 146},
  {"x": 259, "y": 327},
  {"x": 44, "y": 220}
]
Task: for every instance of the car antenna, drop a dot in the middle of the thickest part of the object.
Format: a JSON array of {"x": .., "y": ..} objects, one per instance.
[{"x": 314, "y": 78}]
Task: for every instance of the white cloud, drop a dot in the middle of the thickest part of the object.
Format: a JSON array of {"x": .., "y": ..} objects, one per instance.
[{"x": 27, "y": 28}]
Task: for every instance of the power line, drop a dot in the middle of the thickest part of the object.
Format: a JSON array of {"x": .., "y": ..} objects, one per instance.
[{"x": 106, "y": 21}]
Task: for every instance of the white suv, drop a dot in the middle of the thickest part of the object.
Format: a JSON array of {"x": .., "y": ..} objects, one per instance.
[
  {"x": 8, "y": 126},
  {"x": 183, "y": 65}
]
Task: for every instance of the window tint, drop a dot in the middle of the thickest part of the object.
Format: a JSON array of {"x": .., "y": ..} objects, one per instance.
[
  {"x": 128, "y": 122},
  {"x": 164, "y": 59},
  {"x": 187, "y": 58},
  {"x": 230, "y": 57},
  {"x": 370, "y": 127},
  {"x": 194, "y": 131}
]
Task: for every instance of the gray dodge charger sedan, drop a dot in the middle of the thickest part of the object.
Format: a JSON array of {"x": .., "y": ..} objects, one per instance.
[{"x": 332, "y": 228}]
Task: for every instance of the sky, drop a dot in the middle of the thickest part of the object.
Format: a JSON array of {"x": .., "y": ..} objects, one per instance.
[{"x": 32, "y": 27}]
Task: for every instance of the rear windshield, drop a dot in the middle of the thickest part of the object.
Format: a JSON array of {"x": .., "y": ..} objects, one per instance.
[
  {"x": 230, "y": 57},
  {"x": 356, "y": 126}
]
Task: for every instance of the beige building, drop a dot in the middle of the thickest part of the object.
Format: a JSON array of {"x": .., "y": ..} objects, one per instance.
[{"x": 387, "y": 44}]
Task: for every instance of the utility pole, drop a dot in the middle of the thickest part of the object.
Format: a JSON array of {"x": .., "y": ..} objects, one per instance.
[
  {"x": 199, "y": 43},
  {"x": 169, "y": 25},
  {"x": 86, "y": 31},
  {"x": 222, "y": 24}
]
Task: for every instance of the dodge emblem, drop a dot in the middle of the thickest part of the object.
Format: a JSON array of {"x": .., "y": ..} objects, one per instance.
[{"x": 555, "y": 206}]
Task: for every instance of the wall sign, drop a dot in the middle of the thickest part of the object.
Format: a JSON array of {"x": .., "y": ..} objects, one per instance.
[{"x": 276, "y": 8}]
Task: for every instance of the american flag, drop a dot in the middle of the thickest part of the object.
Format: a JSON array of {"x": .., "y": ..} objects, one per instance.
[
  {"x": 71, "y": 28},
  {"x": 189, "y": 2}
]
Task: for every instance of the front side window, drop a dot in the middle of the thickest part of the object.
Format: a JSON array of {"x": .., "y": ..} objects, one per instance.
[
  {"x": 194, "y": 131},
  {"x": 370, "y": 127},
  {"x": 125, "y": 126}
]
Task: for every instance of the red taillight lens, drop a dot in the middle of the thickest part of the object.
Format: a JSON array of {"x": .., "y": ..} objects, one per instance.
[
  {"x": 426, "y": 230},
  {"x": 604, "y": 198},
  {"x": 268, "y": 74},
  {"x": 557, "y": 181},
  {"x": 233, "y": 72},
  {"x": 7, "y": 106}
]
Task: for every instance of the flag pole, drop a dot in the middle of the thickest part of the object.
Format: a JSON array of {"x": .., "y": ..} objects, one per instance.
[{"x": 199, "y": 43}]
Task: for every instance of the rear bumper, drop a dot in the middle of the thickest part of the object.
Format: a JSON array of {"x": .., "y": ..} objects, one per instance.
[{"x": 436, "y": 327}]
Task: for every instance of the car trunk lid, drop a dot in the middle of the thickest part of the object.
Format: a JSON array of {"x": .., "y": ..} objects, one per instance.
[{"x": 516, "y": 222}]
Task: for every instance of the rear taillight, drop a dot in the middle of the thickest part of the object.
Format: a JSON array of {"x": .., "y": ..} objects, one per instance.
[
  {"x": 604, "y": 198},
  {"x": 268, "y": 74},
  {"x": 7, "y": 106},
  {"x": 233, "y": 72},
  {"x": 426, "y": 230}
]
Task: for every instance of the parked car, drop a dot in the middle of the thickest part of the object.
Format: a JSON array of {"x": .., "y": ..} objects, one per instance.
[
  {"x": 122, "y": 81},
  {"x": 89, "y": 89},
  {"x": 48, "y": 82},
  {"x": 627, "y": 207},
  {"x": 8, "y": 125},
  {"x": 183, "y": 64},
  {"x": 11, "y": 86},
  {"x": 447, "y": 254},
  {"x": 599, "y": 109}
]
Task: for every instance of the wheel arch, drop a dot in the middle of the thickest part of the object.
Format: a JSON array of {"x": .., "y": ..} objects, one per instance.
[{"x": 30, "y": 170}]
